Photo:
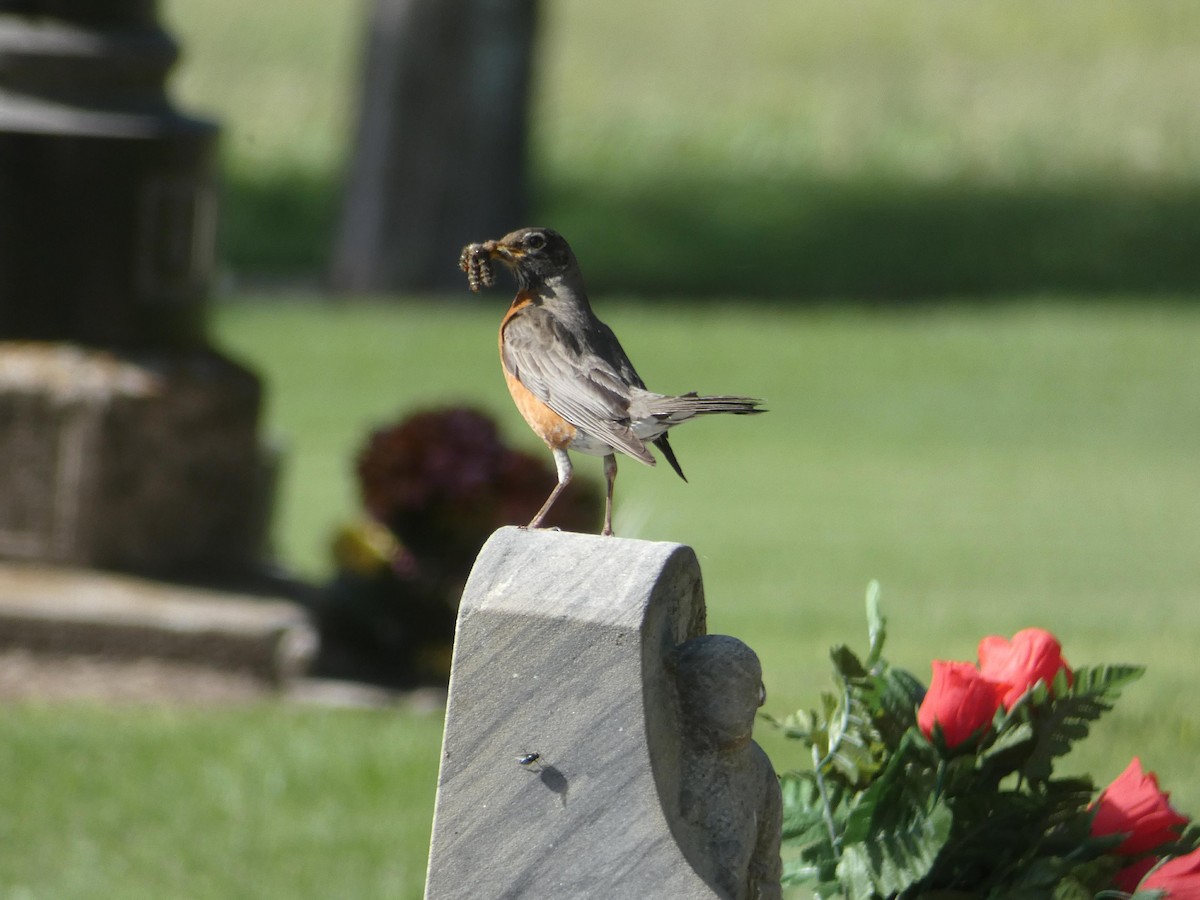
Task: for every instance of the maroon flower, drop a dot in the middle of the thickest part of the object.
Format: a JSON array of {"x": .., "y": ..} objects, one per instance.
[
  {"x": 959, "y": 700},
  {"x": 443, "y": 480},
  {"x": 1179, "y": 878},
  {"x": 1031, "y": 656},
  {"x": 1134, "y": 806}
]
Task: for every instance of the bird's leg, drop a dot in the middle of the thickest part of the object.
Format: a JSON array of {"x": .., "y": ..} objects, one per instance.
[
  {"x": 563, "y": 464},
  {"x": 610, "y": 477}
]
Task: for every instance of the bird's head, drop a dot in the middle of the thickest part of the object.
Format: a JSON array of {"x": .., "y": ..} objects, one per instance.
[{"x": 534, "y": 255}]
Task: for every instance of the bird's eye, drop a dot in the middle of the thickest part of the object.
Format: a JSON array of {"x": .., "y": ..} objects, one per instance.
[{"x": 535, "y": 241}]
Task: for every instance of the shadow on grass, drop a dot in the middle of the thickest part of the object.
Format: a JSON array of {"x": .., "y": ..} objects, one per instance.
[
  {"x": 710, "y": 237},
  {"x": 883, "y": 241}
]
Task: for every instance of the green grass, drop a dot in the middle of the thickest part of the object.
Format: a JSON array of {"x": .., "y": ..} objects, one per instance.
[
  {"x": 267, "y": 802},
  {"x": 1028, "y": 463},
  {"x": 1031, "y": 463},
  {"x": 1005, "y": 90},
  {"x": 872, "y": 149}
]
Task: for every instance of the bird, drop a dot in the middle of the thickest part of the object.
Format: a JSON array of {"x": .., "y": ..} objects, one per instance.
[{"x": 568, "y": 375}]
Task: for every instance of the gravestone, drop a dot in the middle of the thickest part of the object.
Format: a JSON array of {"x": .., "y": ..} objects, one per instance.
[
  {"x": 108, "y": 194},
  {"x": 126, "y": 440},
  {"x": 147, "y": 463},
  {"x": 597, "y": 742}
]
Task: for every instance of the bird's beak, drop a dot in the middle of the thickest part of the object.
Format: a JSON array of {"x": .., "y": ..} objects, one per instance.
[{"x": 503, "y": 252}]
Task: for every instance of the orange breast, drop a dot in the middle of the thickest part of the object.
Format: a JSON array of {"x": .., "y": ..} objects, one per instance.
[{"x": 552, "y": 428}]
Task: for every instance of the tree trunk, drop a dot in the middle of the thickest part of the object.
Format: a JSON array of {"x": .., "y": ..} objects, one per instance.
[{"x": 439, "y": 156}]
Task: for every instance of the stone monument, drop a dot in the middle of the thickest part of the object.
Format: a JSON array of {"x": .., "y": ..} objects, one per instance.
[
  {"x": 597, "y": 741},
  {"x": 126, "y": 441}
]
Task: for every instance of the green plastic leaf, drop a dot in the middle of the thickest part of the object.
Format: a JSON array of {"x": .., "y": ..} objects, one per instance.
[
  {"x": 796, "y": 871},
  {"x": 1070, "y": 889},
  {"x": 1065, "y": 803},
  {"x": 904, "y": 789},
  {"x": 1057, "y": 733},
  {"x": 1190, "y": 839},
  {"x": 852, "y": 751},
  {"x": 1061, "y": 686},
  {"x": 799, "y": 726},
  {"x": 1065, "y": 720},
  {"x": 876, "y": 626},
  {"x": 799, "y": 870},
  {"x": 801, "y": 803},
  {"x": 1007, "y": 753},
  {"x": 1096, "y": 874},
  {"x": 899, "y": 696},
  {"x": 1105, "y": 681},
  {"x": 845, "y": 663},
  {"x": 895, "y": 856}
]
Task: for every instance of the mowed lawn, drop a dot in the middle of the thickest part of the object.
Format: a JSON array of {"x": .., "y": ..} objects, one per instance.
[
  {"x": 786, "y": 149},
  {"x": 1027, "y": 463},
  {"x": 1028, "y": 459},
  {"x": 1030, "y": 463}
]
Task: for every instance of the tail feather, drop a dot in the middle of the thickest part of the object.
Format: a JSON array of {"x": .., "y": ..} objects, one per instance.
[
  {"x": 677, "y": 409},
  {"x": 667, "y": 411},
  {"x": 662, "y": 444}
]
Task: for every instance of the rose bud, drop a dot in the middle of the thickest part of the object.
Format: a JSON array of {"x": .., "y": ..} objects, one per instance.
[
  {"x": 960, "y": 700},
  {"x": 1031, "y": 656}
]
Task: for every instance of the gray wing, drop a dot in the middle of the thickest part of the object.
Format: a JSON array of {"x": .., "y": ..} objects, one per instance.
[{"x": 576, "y": 381}]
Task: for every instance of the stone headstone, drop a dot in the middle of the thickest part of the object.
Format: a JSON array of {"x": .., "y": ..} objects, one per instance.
[
  {"x": 597, "y": 743},
  {"x": 148, "y": 463},
  {"x": 108, "y": 194},
  {"x": 126, "y": 441}
]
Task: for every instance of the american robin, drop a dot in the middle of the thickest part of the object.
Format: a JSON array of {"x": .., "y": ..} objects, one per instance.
[{"x": 566, "y": 370}]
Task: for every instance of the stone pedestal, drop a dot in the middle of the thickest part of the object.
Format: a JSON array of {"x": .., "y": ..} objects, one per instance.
[
  {"x": 66, "y": 614},
  {"x": 149, "y": 463},
  {"x": 108, "y": 195},
  {"x": 587, "y": 753}
]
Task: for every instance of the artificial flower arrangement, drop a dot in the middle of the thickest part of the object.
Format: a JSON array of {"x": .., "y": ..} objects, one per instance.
[{"x": 949, "y": 791}]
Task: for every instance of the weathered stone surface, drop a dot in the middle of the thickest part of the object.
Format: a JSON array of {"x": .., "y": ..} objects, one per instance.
[
  {"x": 149, "y": 463},
  {"x": 729, "y": 795},
  {"x": 571, "y": 768},
  {"x": 65, "y": 612}
]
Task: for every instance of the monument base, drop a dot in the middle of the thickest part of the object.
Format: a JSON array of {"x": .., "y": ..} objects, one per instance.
[{"x": 148, "y": 463}]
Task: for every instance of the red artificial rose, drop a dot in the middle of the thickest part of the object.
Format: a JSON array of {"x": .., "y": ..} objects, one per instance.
[
  {"x": 1031, "y": 656},
  {"x": 1179, "y": 878},
  {"x": 1134, "y": 806},
  {"x": 960, "y": 700},
  {"x": 1128, "y": 879}
]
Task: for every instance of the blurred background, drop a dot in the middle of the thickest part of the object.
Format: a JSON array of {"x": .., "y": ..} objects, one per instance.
[{"x": 955, "y": 247}]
